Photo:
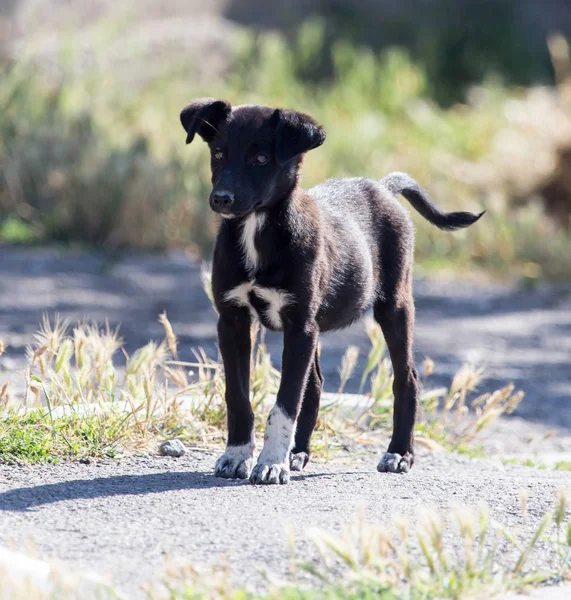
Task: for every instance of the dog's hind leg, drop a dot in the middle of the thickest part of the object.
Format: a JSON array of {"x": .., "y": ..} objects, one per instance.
[
  {"x": 307, "y": 417},
  {"x": 396, "y": 318}
]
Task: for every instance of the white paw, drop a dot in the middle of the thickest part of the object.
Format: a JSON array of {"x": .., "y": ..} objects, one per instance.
[
  {"x": 395, "y": 463},
  {"x": 236, "y": 462},
  {"x": 298, "y": 460},
  {"x": 270, "y": 474},
  {"x": 273, "y": 462}
]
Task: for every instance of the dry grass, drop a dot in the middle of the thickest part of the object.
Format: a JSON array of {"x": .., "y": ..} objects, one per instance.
[
  {"x": 449, "y": 419},
  {"x": 459, "y": 555},
  {"x": 456, "y": 555},
  {"x": 80, "y": 403},
  {"x": 72, "y": 383}
]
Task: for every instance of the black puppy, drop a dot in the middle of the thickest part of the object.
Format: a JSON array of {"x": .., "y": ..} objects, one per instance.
[{"x": 303, "y": 262}]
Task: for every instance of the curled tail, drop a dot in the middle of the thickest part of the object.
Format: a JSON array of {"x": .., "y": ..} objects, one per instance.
[{"x": 401, "y": 183}]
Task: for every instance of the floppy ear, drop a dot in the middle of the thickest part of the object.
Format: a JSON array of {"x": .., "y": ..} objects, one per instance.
[
  {"x": 296, "y": 133},
  {"x": 203, "y": 117}
]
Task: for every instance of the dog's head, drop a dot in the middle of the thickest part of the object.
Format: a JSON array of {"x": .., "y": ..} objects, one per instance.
[{"x": 255, "y": 152}]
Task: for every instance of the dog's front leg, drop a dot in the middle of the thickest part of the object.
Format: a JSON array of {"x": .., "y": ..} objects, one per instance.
[
  {"x": 273, "y": 462},
  {"x": 234, "y": 341}
]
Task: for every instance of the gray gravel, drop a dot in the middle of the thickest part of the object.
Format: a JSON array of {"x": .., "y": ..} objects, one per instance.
[{"x": 127, "y": 520}]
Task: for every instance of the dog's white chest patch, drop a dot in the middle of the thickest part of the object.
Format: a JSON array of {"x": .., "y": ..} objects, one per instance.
[
  {"x": 274, "y": 299},
  {"x": 250, "y": 228}
]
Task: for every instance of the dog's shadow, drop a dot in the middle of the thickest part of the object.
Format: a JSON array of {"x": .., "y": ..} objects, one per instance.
[{"x": 26, "y": 498}]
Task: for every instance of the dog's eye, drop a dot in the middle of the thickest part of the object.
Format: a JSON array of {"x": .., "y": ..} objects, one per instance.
[
  {"x": 218, "y": 154},
  {"x": 261, "y": 159}
]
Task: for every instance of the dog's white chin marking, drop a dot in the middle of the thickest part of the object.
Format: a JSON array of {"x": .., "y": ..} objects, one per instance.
[
  {"x": 273, "y": 462},
  {"x": 253, "y": 223},
  {"x": 275, "y": 298},
  {"x": 236, "y": 462},
  {"x": 227, "y": 216}
]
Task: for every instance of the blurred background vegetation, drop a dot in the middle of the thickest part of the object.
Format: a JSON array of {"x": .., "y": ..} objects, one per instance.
[{"x": 471, "y": 97}]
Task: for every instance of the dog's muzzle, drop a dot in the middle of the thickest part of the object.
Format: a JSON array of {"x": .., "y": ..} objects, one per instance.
[{"x": 221, "y": 202}]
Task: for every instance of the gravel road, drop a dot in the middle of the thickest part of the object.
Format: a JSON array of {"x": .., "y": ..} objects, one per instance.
[{"x": 126, "y": 521}]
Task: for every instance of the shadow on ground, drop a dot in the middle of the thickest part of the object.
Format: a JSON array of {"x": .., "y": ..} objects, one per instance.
[{"x": 27, "y": 498}]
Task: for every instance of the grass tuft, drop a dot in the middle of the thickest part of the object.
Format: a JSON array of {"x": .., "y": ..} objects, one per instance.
[
  {"x": 72, "y": 378},
  {"x": 461, "y": 554}
]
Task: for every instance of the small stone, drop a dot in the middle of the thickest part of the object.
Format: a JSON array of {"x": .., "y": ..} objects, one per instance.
[{"x": 172, "y": 448}]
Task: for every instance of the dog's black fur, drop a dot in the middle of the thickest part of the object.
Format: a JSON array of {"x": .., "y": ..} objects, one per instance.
[{"x": 305, "y": 262}]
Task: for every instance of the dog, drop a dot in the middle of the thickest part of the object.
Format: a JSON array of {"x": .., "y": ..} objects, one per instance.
[{"x": 303, "y": 262}]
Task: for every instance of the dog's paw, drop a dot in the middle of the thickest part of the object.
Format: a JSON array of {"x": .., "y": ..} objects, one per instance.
[
  {"x": 235, "y": 463},
  {"x": 298, "y": 460},
  {"x": 395, "y": 463},
  {"x": 264, "y": 473}
]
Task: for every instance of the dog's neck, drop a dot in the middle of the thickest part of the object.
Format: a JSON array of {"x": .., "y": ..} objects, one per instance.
[{"x": 265, "y": 233}]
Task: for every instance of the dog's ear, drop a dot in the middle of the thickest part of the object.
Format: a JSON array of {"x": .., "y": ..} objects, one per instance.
[
  {"x": 296, "y": 133},
  {"x": 203, "y": 117}
]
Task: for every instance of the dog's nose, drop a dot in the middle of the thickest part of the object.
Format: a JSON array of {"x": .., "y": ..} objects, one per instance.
[{"x": 222, "y": 201}]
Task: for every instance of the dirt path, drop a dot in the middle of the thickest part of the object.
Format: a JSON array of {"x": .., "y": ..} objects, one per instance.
[
  {"x": 524, "y": 337},
  {"x": 128, "y": 520}
]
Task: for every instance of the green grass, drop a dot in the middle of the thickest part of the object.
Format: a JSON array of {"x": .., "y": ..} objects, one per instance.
[
  {"x": 538, "y": 464},
  {"x": 93, "y": 162},
  {"x": 16, "y": 231},
  {"x": 33, "y": 437}
]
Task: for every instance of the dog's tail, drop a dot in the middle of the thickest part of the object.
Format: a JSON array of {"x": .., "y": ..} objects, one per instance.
[{"x": 401, "y": 183}]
